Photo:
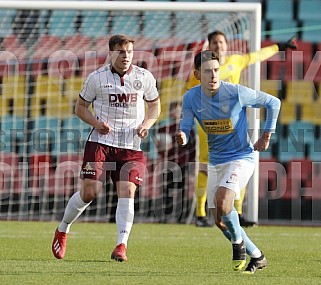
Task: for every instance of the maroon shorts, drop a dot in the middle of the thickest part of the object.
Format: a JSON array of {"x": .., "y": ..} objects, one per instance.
[{"x": 103, "y": 161}]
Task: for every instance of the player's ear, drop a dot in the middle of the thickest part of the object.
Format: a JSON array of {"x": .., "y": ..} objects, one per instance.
[{"x": 197, "y": 74}]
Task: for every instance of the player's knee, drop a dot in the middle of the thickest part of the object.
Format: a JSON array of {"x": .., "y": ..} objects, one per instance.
[
  {"x": 220, "y": 225},
  {"x": 90, "y": 190},
  {"x": 224, "y": 207}
]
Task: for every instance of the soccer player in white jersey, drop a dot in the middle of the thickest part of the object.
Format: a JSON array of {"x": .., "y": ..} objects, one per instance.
[
  {"x": 117, "y": 92},
  {"x": 220, "y": 108}
]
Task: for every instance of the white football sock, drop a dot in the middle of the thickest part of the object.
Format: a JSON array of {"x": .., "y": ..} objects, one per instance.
[
  {"x": 73, "y": 210},
  {"x": 124, "y": 219}
]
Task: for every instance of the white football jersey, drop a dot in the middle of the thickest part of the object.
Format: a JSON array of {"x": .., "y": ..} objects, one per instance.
[{"x": 119, "y": 101}]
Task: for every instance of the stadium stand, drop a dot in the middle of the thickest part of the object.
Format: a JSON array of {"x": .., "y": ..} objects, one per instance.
[
  {"x": 6, "y": 20},
  {"x": 59, "y": 23},
  {"x": 308, "y": 9},
  {"x": 156, "y": 23},
  {"x": 272, "y": 87},
  {"x": 311, "y": 112},
  {"x": 300, "y": 91},
  {"x": 311, "y": 31},
  {"x": 125, "y": 23},
  {"x": 91, "y": 25},
  {"x": 282, "y": 29},
  {"x": 276, "y": 10},
  {"x": 288, "y": 113},
  {"x": 9, "y": 173}
]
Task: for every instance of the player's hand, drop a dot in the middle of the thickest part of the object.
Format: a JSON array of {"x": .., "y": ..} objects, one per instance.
[
  {"x": 291, "y": 44},
  {"x": 180, "y": 138},
  {"x": 102, "y": 128},
  {"x": 262, "y": 144},
  {"x": 142, "y": 132}
]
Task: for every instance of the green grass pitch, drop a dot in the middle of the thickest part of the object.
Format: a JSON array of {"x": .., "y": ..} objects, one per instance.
[{"x": 158, "y": 254}]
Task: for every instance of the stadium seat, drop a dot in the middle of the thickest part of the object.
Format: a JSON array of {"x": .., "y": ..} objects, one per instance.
[
  {"x": 74, "y": 133},
  {"x": 6, "y": 20},
  {"x": 59, "y": 23},
  {"x": 288, "y": 113},
  {"x": 12, "y": 43},
  {"x": 41, "y": 174},
  {"x": 13, "y": 93},
  {"x": 272, "y": 179},
  {"x": 303, "y": 130},
  {"x": 72, "y": 87},
  {"x": 42, "y": 49},
  {"x": 300, "y": 91},
  {"x": 190, "y": 22},
  {"x": 279, "y": 10},
  {"x": 285, "y": 71},
  {"x": 299, "y": 175},
  {"x": 170, "y": 57},
  {"x": 48, "y": 97},
  {"x": 315, "y": 148},
  {"x": 313, "y": 72},
  {"x": 170, "y": 90},
  {"x": 283, "y": 29},
  {"x": 289, "y": 150},
  {"x": 292, "y": 146},
  {"x": 313, "y": 193},
  {"x": 213, "y": 21},
  {"x": 309, "y": 10},
  {"x": 67, "y": 179},
  {"x": 13, "y": 57},
  {"x": 311, "y": 112},
  {"x": 311, "y": 30},
  {"x": 124, "y": 22},
  {"x": 157, "y": 25},
  {"x": 77, "y": 44},
  {"x": 45, "y": 136},
  {"x": 271, "y": 87},
  {"x": 13, "y": 133},
  {"x": 94, "y": 23},
  {"x": 10, "y": 173}
]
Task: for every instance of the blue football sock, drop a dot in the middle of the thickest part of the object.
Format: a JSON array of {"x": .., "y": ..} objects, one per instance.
[{"x": 231, "y": 221}]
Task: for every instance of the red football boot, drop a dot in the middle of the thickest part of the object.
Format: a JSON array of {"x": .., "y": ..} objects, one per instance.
[
  {"x": 59, "y": 244},
  {"x": 119, "y": 253}
]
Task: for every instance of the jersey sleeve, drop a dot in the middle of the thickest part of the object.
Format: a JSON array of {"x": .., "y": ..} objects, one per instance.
[
  {"x": 187, "y": 117},
  {"x": 252, "y": 98},
  {"x": 89, "y": 89},
  {"x": 151, "y": 92},
  {"x": 263, "y": 54}
]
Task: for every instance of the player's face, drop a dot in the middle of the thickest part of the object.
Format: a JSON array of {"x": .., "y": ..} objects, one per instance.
[
  {"x": 209, "y": 75},
  {"x": 121, "y": 57},
  {"x": 218, "y": 44}
]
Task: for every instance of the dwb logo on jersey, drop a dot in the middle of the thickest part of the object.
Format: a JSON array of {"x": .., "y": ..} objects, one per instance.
[{"x": 123, "y": 100}]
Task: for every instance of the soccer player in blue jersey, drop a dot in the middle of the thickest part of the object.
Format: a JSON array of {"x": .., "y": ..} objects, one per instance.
[{"x": 220, "y": 108}]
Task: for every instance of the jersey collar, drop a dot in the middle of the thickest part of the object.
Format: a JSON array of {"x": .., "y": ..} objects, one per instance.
[{"x": 113, "y": 70}]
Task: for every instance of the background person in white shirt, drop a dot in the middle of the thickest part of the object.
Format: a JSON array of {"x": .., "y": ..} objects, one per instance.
[{"x": 117, "y": 93}]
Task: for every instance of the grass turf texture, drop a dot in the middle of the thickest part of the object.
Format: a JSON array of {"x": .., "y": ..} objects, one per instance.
[{"x": 158, "y": 254}]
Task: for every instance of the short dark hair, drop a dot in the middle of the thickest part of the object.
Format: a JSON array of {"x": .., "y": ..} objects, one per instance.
[
  {"x": 119, "y": 40},
  {"x": 210, "y": 36},
  {"x": 204, "y": 56}
]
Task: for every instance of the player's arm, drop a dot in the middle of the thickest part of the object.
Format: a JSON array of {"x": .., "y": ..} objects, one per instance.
[
  {"x": 152, "y": 114},
  {"x": 186, "y": 123},
  {"x": 267, "y": 52},
  {"x": 82, "y": 111},
  {"x": 258, "y": 99}
]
